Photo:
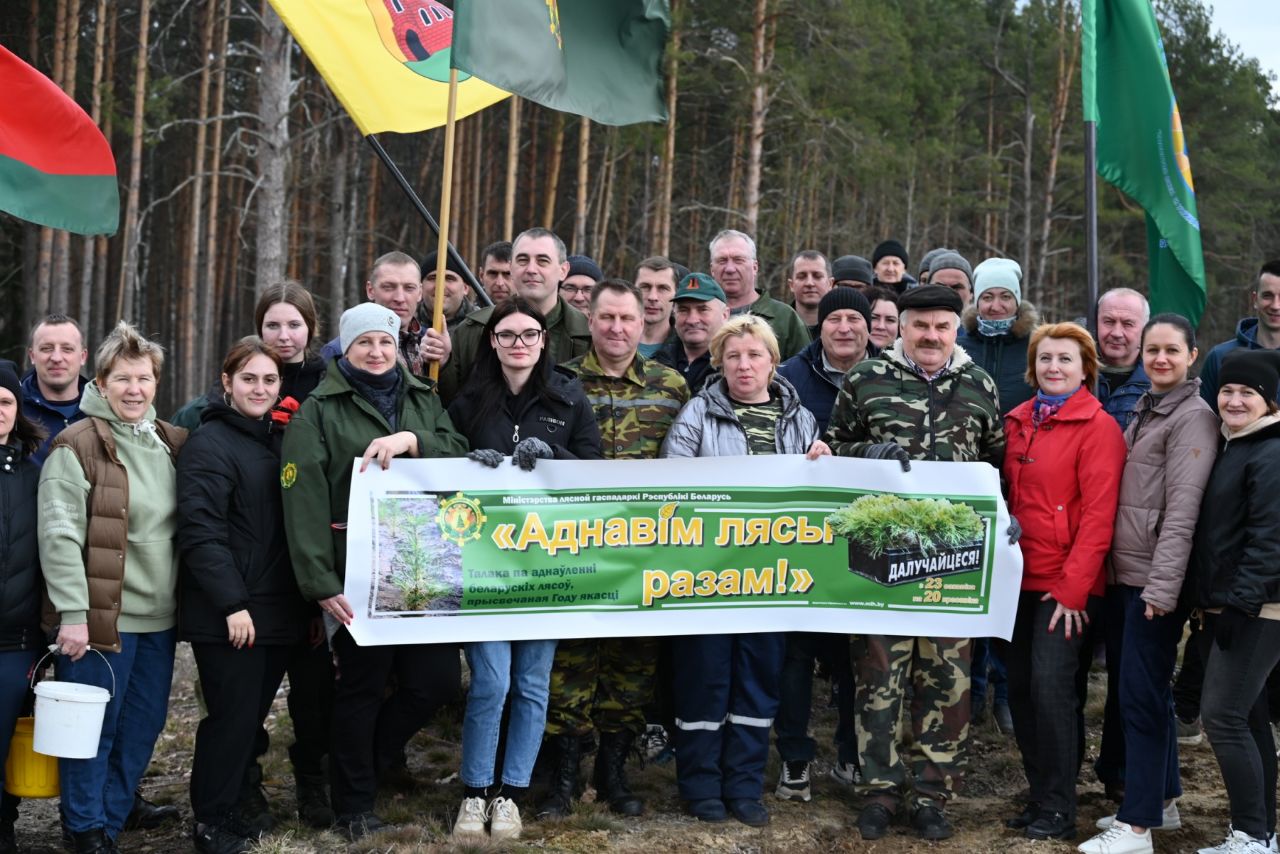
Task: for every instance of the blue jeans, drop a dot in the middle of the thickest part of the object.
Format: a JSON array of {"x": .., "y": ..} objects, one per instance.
[
  {"x": 13, "y": 692},
  {"x": 98, "y": 792},
  {"x": 524, "y": 669},
  {"x": 987, "y": 668}
]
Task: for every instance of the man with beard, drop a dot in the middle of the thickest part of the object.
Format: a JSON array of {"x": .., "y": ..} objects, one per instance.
[
  {"x": 809, "y": 280},
  {"x": 924, "y": 399}
]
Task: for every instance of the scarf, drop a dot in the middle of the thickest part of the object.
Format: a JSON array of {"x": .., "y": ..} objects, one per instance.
[
  {"x": 995, "y": 328},
  {"x": 1047, "y": 405},
  {"x": 381, "y": 390}
]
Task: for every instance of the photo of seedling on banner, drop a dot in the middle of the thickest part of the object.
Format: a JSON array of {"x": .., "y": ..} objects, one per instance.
[
  {"x": 895, "y": 540},
  {"x": 419, "y": 569}
]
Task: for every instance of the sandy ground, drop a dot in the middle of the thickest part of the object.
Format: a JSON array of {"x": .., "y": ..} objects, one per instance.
[{"x": 424, "y": 813}]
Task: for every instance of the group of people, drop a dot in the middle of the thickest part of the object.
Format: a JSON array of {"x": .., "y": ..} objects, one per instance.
[{"x": 1138, "y": 496}]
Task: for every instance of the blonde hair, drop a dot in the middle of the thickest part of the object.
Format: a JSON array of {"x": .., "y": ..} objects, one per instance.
[
  {"x": 742, "y": 325},
  {"x": 1070, "y": 332},
  {"x": 125, "y": 342}
]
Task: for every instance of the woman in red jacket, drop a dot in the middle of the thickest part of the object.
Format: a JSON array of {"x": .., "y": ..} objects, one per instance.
[{"x": 1062, "y": 469}]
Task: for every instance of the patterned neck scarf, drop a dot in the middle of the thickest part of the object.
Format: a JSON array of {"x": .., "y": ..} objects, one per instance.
[{"x": 1047, "y": 405}]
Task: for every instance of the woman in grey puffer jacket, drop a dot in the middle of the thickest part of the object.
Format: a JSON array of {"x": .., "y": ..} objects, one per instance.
[
  {"x": 727, "y": 687},
  {"x": 1172, "y": 443}
]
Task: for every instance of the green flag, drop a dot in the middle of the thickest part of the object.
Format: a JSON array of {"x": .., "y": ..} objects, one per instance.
[
  {"x": 596, "y": 58},
  {"x": 1141, "y": 147}
]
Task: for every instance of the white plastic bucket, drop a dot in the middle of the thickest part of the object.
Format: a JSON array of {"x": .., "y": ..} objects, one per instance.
[{"x": 69, "y": 717}]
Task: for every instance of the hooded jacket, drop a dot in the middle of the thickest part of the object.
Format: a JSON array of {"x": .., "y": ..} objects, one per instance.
[
  {"x": 1235, "y": 560},
  {"x": 231, "y": 532},
  {"x": 35, "y": 407},
  {"x": 20, "y": 580},
  {"x": 1172, "y": 444},
  {"x": 708, "y": 426},
  {"x": 806, "y": 372},
  {"x": 1004, "y": 357},
  {"x": 1246, "y": 338},
  {"x": 565, "y": 421},
  {"x": 1063, "y": 481},
  {"x": 335, "y": 425},
  {"x": 955, "y": 417},
  {"x": 108, "y": 514}
]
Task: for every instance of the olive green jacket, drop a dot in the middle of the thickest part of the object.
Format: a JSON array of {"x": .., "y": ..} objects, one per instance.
[{"x": 334, "y": 426}]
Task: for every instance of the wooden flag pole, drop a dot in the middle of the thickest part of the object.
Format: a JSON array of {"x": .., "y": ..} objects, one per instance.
[{"x": 446, "y": 192}]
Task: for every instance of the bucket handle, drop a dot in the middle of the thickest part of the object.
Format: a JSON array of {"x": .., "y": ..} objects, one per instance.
[{"x": 53, "y": 649}]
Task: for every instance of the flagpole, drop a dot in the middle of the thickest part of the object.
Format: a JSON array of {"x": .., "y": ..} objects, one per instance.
[
  {"x": 1091, "y": 221},
  {"x": 421, "y": 208},
  {"x": 446, "y": 199}
]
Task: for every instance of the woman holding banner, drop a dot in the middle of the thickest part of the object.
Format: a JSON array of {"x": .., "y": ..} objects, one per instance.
[
  {"x": 1062, "y": 466},
  {"x": 371, "y": 407},
  {"x": 727, "y": 686},
  {"x": 516, "y": 404}
]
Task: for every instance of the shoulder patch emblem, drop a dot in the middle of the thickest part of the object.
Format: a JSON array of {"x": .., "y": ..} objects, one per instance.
[{"x": 288, "y": 475}]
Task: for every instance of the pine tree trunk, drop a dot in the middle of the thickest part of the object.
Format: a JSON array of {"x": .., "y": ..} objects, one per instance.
[
  {"x": 83, "y": 307},
  {"x": 339, "y": 223},
  {"x": 763, "y": 32},
  {"x": 273, "y": 150},
  {"x": 101, "y": 248},
  {"x": 584, "y": 161},
  {"x": 1062, "y": 96},
  {"x": 131, "y": 239},
  {"x": 60, "y": 281},
  {"x": 553, "y": 178},
  {"x": 208, "y": 297},
  {"x": 513, "y": 162},
  {"x": 662, "y": 246}
]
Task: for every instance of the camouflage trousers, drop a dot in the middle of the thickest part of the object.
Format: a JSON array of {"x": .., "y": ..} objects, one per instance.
[
  {"x": 601, "y": 683},
  {"x": 937, "y": 672}
]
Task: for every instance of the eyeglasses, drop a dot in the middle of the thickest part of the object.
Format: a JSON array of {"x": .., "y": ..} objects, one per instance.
[
  {"x": 528, "y": 338},
  {"x": 576, "y": 290}
]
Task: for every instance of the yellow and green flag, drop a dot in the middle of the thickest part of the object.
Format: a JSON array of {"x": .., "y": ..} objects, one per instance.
[
  {"x": 596, "y": 58},
  {"x": 1141, "y": 145},
  {"x": 387, "y": 61}
]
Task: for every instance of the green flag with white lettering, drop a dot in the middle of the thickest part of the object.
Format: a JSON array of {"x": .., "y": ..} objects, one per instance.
[
  {"x": 1141, "y": 145},
  {"x": 596, "y": 58}
]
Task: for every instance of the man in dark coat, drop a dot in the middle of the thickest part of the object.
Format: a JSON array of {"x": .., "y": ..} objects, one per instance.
[{"x": 700, "y": 311}]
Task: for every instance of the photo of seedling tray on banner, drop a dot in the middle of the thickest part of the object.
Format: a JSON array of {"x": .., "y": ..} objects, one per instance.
[{"x": 448, "y": 550}]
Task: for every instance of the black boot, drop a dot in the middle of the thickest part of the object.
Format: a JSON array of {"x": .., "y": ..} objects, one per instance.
[
  {"x": 610, "y": 778},
  {"x": 148, "y": 816},
  {"x": 563, "y": 787},
  {"x": 251, "y": 816},
  {"x": 313, "y": 800},
  {"x": 93, "y": 841}
]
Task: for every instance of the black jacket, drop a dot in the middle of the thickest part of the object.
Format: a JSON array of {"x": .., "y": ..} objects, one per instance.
[
  {"x": 20, "y": 581},
  {"x": 695, "y": 373},
  {"x": 301, "y": 378},
  {"x": 817, "y": 392},
  {"x": 567, "y": 422},
  {"x": 1235, "y": 560},
  {"x": 231, "y": 532}
]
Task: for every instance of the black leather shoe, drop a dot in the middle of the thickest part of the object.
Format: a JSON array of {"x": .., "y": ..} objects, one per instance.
[
  {"x": 218, "y": 839},
  {"x": 708, "y": 809},
  {"x": 749, "y": 811},
  {"x": 360, "y": 825},
  {"x": 148, "y": 816},
  {"x": 1051, "y": 825},
  {"x": 874, "y": 821},
  {"x": 1023, "y": 819},
  {"x": 93, "y": 841},
  {"x": 931, "y": 823}
]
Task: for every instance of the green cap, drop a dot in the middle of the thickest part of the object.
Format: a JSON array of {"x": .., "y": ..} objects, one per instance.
[{"x": 699, "y": 286}]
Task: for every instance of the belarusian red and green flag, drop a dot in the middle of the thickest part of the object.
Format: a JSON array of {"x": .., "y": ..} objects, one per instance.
[
  {"x": 1141, "y": 146},
  {"x": 596, "y": 58},
  {"x": 56, "y": 167}
]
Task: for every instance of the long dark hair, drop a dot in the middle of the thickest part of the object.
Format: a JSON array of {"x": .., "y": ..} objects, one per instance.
[
  {"x": 487, "y": 379},
  {"x": 28, "y": 433},
  {"x": 296, "y": 295}
]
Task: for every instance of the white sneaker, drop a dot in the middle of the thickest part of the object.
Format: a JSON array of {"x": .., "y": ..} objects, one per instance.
[
  {"x": 793, "y": 782},
  {"x": 1238, "y": 842},
  {"x": 846, "y": 773},
  {"x": 1172, "y": 821},
  {"x": 504, "y": 819},
  {"x": 1118, "y": 839},
  {"x": 471, "y": 818}
]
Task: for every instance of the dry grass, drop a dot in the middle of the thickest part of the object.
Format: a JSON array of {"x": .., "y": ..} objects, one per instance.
[{"x": 425, "y": 814}]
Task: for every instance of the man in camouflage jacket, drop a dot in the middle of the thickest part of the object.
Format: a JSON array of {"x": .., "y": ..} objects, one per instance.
[
  {"x": 606, "y": 682},
  {"x": 924, "y": 399}
]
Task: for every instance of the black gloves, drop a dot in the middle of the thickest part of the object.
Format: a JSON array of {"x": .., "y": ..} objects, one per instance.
[
  {"x": 1227, "y": 624},
  {"x": 486, "y": 457},
  {"x": 1014, "y": 531},
  {"x": 529, "y": 451},
  {"x": 887, "y": 451}
]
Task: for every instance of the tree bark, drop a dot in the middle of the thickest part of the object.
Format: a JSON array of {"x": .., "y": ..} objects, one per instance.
[
  {"x": 84, "y": 297},
  {"x": 553, "y": 177},
  {"x": 513, "y": 162},
  {"x": 101, "y": 248},
  {"x": 339, "y": 223},
  {"x": 662, "y": 246},
  {"x": 1057, "y": 121},
  {"x": 208, "y": 297},
  {"x": 763, "y": 33},
  {"x": 584, "y": 161},
  {"x": 60, "y": 281},
  {"x": 273, "y": 150},
  {"x": 131, "y": 239}
]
